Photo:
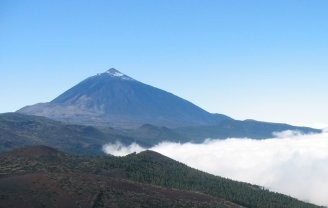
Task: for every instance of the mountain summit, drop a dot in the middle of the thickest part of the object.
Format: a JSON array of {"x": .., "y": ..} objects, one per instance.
[
  {"x": 115, "y": 73},
  {"x": 115, "y": 99}
]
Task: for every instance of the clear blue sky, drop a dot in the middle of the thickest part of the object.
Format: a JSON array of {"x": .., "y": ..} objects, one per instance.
[{"x": 265, "y": 60}]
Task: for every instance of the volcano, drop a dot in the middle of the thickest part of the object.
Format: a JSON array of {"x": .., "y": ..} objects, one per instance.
[{"x": 115, "y": 99}]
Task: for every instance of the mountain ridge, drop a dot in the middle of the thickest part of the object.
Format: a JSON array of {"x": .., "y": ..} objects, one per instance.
[{"x": 114, "y": 99}]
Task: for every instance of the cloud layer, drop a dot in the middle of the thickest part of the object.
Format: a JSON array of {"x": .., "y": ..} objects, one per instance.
[{"x": 291, "y": 163}]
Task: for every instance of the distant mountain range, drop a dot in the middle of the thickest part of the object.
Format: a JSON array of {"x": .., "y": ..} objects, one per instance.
[
  {"x": 41, "y": 176},
  {"x": 112, "y": 99},
  {"x": 19, "y": 130}
]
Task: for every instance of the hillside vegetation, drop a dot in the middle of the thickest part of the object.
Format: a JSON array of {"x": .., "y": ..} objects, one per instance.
[{"x": 148, "y": 179}]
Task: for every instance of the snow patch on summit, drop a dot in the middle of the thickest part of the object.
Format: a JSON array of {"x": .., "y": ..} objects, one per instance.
[{"x": 115, "y": 73}]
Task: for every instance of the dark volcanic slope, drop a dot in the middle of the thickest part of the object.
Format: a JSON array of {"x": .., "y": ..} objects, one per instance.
[
  {"x": 85, "y": 190},
  {"x": 114, "y": 99},
  {"x": 43, "y": 177},
  {"x": 18, "y": 130},
  {"x": 239, "y": 129}
]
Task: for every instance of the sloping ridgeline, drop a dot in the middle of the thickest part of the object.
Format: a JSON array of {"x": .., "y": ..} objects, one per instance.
[
  {"x": 19, "y": 130},
  {"x": 117, "y": 100},
  {"x": 43, "y": 176}
]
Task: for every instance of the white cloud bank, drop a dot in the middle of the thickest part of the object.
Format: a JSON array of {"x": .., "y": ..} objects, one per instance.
[
  {"x": 292, "y": 163},
  {"x": 119, "y": 149}
]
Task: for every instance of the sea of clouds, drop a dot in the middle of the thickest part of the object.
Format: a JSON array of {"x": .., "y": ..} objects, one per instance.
[{"x": 290, "y": 163}]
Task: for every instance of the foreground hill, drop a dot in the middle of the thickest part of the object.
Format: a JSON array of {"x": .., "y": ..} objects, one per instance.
[{"x": 43, "y": 177}]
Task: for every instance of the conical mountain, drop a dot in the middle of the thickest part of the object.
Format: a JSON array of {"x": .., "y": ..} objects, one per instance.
[{"x": 114, "y": 99}]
